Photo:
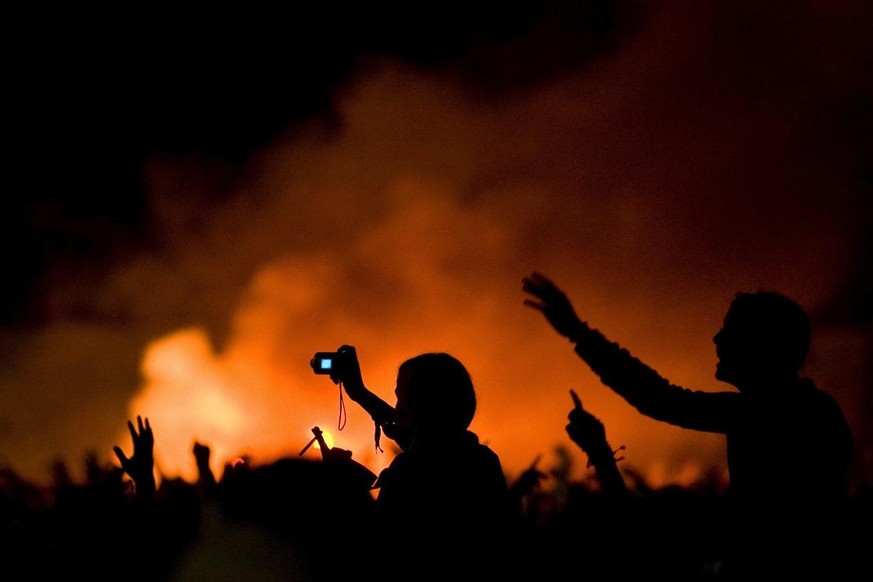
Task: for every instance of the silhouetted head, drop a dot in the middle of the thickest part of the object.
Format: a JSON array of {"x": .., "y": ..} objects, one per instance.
[
  {"x": 764, "y": 335},
  {"x": 434, "y": 394}
]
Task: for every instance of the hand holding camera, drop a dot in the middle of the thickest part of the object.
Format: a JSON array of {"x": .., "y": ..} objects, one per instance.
[{"x": 342, "y": 367}]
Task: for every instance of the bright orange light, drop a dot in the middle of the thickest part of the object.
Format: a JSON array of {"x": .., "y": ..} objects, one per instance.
[
  {"x": 328, "y": 440},
  {"x": 239, "y": 403},
  {"x": 253, "y": 400},
  {"x": 400, "y": 245}
]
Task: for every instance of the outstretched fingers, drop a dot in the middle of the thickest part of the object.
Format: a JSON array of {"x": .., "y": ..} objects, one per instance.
[{"x": 542, "y": 288}]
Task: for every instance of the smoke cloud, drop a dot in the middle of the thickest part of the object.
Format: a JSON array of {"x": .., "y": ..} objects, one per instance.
[{"x": 711, "y": 153}]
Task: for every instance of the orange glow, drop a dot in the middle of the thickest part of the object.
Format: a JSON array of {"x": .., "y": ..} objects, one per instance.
[
  {"x": 328, "y": 440},
  {"x": 431, "y": 270},
  {"x": 693, "y": 151},
  {"x": 398, "y": 244},
  {"x": 237, "y": 403},
  {"x": 260, "y": 398}
]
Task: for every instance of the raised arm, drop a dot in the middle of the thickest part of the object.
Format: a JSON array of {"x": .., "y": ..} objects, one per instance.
[
  {"x": 348, "y": 375},
  {"x": 643, "y": 387},
  {"x": 140, "y": 466}
]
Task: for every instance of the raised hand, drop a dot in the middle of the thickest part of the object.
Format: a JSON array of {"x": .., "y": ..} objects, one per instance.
[
  {"x": 349, "y": 372},
  {"x": 140, "y": 466},
  {"x": 553, "y": 303},
  {"x": 585, "y": 429},
  {"x": 201, "y": 456}
]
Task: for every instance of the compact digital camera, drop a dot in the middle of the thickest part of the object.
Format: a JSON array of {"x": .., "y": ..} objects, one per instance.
[{"x": 325, "y": 362}]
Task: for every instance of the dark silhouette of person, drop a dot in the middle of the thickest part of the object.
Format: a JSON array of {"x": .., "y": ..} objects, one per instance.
[
  {"x": 169, "y": 516},
  {"x": 789, "y": 447},
  {"x": 444, "y": 486},
  {"x": 259, "y": 522},
  {"x": 585, "y": 527}
]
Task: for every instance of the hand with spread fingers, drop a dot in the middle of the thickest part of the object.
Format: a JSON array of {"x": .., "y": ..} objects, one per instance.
[
  {"x": 140, "y": 465},
  {"x": 553, "y": 303}
]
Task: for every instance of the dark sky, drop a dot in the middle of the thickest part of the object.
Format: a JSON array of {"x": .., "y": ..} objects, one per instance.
[
  {"x": 90, "y": 100},
  {"x": 237, "y": 190}
]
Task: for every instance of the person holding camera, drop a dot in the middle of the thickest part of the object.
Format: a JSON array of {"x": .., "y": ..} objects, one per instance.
[
  {"x": 789, "y": 446},
  {"x": 443, "y": 479}
]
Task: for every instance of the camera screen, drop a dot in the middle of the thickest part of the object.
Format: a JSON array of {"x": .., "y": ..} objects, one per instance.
[{"x": 325, "y": 363}]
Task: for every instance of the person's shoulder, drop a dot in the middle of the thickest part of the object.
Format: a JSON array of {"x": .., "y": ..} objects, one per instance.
[
  {"x": 824, "y": 403},
  {"x": 389, "y": 474},
  {"x": 818, "y": 395},
  {"x": 487, "y": 455}
]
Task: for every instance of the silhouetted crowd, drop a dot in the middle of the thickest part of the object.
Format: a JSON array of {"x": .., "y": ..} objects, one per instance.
[
  {"x": 444, "y": 507},
  {"x": 299, "y": 519}
]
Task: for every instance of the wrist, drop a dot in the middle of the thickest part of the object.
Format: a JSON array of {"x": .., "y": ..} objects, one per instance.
[
  {"x": 599, "y": 453},
  {"x": 355, "y": 389},
  {"x": 575, "y": 335}
]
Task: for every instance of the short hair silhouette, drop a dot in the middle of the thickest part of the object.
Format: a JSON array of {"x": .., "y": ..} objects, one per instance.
[
  {"x": 772, "y": 327},
  {"x": 439, "y": 390}
]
